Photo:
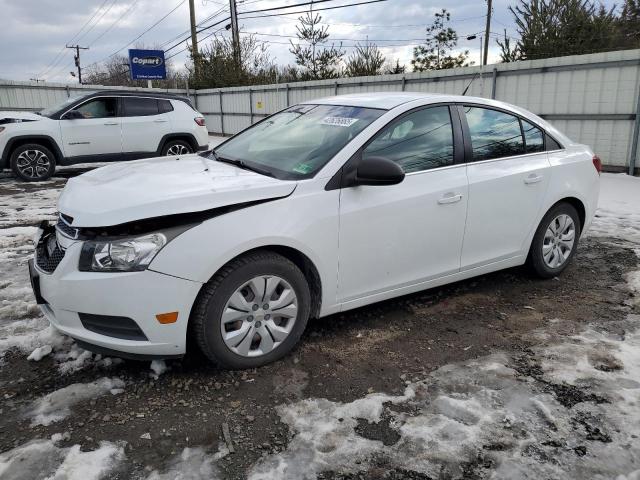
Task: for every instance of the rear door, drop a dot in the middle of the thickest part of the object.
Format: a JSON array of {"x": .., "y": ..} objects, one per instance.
[
  {"x": 96, "y": 133},
  {"x": 397, "y": 236},
  {"x": 508, "y": 174},
  {"x": 144, "y": 123}
]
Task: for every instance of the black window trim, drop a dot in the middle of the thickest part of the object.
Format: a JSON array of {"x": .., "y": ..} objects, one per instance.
[
  {"x": 343, "y": 178},
  {"x": 467, "y": 134}
]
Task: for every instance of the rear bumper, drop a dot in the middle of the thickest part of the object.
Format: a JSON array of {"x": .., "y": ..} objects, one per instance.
[{"x": 140, "y": 296}]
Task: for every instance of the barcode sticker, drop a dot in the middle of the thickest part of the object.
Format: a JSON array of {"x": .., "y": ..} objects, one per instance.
[{"x": 338, "y": 121}]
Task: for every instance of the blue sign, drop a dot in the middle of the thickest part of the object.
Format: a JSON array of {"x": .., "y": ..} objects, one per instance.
[{"x": 147, "y": 65}]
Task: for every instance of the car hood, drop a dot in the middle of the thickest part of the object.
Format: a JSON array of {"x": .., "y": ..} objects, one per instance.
[
  {"x": 9, "y": 116},
  {"x": 156, "y": 187}
]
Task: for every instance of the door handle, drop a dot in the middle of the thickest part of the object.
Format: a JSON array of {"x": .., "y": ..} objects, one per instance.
[
  {"x": 160, "y": 121},
  {"x": 450, "y": 198},
  {"x": 531, "y": 179},
  {"x": 111, "y": 123}
]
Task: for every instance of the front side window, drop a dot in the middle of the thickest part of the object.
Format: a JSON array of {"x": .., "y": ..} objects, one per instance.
[
  {"x": 296, "y": 143},
  {"x": 140, "y": 107},
  {"x": 98, "y": 108},
  {"x": 494, "y": 134},
  {"x": 418, "y": 141},
  {"x": 533, "y": 137}
]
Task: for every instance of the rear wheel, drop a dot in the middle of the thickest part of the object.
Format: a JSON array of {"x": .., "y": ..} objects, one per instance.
[
  {"x": 32, "y": 162},
  {"x": 252, "y": 312},
  {"x": 555, "y": 241},
  {"x": 176, "y": 147}
]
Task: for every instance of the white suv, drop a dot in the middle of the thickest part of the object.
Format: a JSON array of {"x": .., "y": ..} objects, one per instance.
[
  {"x": 101, "y": 127},
  {"x": 323, "y": 207}
]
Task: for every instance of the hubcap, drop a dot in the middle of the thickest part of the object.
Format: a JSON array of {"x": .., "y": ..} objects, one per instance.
[
  {"x": 177, "y": 149},
  {"x": 259, "y": 316},
  {"x": 559, "y": 240},
  {"x": 33, "y": 163}
]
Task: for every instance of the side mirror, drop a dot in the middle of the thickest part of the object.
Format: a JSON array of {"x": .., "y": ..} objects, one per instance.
[
  {"x": 378, "y": 171},
  {"x": 72, "y": 115}
]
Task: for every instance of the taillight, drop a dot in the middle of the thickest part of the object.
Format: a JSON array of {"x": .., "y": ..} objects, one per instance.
[
  {"x": 597, "y": 163},
  {"x": 199, "y": 121}
]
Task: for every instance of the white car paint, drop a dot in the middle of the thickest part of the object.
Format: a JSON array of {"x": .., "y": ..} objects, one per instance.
[
  {"x": 367, "y": 243},
  {"x": 87, "y": 140}
]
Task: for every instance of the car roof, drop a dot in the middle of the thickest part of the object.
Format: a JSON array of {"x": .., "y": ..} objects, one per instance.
[
  {"x": 383, "y": 100},
  {"x": 138, "y": 93}
]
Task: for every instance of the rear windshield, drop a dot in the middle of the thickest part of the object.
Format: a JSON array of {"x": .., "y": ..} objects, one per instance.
[{"x": 299, "y": 141}]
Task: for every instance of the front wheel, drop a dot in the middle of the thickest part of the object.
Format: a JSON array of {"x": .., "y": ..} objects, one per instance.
[
  {"x": 555, "y": 241},
  {"x": 176, "y": 147},
  {"x": 32, "y": 162},
  {"x": 252, "y": 312}
]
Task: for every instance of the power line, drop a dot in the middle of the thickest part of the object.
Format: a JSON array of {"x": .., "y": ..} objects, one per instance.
[
  {"x": 106, "y": 10},
  {"x": 305, "y": 11},
  {"x": 116, "y": 21},
  {"x": 59, "y": 55},
  {"x": 197, "y": 31}
]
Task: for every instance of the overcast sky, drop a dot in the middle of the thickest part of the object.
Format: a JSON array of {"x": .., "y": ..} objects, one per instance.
[{"x": 35, "y": 32}]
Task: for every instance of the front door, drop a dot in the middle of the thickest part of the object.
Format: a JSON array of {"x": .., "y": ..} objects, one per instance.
[
  {"x": 508, "y": 176},
  {"x": 397, "y": 236},
  {"x": 97, "y": 132}
]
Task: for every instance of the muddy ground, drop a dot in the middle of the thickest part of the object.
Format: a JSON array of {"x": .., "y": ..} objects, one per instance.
[{"x": 342, "y": 358}]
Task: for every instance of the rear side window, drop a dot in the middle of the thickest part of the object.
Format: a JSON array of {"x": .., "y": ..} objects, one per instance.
[
  {"x": 140, "y": 107},
  {"x": 533, "y": 137},
  {"x": 494, "y": 134},
  {"x": 418, "y": 141},
  {"x": 164, "y": 106}
]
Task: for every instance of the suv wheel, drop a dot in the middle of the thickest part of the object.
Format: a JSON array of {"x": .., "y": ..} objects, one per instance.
[
  {"x": 252, "y": 312},
  {"x": 32, "y": 162},
  {"x": 555, "y": 241},
  {"x": 176, "y": 147}
]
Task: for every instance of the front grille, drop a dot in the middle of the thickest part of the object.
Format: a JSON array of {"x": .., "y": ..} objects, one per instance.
[
  {"x": 65, "y": 228},
  {"x": 48, "y": 262}
]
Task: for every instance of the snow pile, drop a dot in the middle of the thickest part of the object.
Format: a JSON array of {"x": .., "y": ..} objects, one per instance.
[
  {"x": 192, "y": 464},
  {"x": 56, "y": 405},
  {"x": 618, "y": 213},
  {"x": 39, "y": 353},
  {"x": 42, "y": 459},
  {"x": 158, "y": 367}
]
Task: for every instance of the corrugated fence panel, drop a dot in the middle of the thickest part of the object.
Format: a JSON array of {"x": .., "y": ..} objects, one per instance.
[{"x": 592, "y": 98}]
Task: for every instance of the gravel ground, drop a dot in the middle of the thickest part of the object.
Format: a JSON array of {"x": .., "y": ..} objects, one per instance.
[{"x": 180, "y": 422}]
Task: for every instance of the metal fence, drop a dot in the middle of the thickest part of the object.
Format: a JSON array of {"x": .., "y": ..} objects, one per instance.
[{"x": 594, "y": 99}]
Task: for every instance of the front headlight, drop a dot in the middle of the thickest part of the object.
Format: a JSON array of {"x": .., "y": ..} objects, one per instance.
[{"x": 121, "y": 255}]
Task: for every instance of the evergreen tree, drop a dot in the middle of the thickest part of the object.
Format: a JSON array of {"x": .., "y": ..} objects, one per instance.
[
  {"x": 436, "y": 53},
  {"x": 365, "y": 60},
  {"x": 318, "y": 61}
]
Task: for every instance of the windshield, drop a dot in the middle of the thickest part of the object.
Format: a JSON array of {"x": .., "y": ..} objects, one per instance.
[
  {"x": 47, "y": 112},
  {"x": 297, "y": 142}
]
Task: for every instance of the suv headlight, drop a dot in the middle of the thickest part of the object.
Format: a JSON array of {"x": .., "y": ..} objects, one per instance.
[{"x": 121, "y": 255}]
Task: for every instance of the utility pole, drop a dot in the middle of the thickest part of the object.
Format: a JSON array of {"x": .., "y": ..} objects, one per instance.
[
  {"x": 194, "y": 36},
  {"x": 486, "y": 33},
  {"x": 235, "y": 35},
  {"x": 76, "y": 59}
]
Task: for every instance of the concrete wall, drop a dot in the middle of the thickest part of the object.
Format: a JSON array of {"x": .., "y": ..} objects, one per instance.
[{"x": 592, "y": 98}]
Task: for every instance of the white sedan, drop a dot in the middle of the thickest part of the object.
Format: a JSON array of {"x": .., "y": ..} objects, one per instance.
[{"x": 323, "y": 207}]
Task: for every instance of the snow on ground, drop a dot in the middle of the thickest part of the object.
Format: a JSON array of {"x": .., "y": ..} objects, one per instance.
[
  {"x": 192, "y": 464},
  {"x": 57, "y": 405},
  {"x": 618, "y": 211},
  {"x": 43, "y": 459}
]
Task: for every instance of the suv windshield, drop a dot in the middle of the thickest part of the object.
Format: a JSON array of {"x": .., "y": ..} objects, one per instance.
[
  {"x": 47, "y": 112},
  {"x": 297, "y": 142}
]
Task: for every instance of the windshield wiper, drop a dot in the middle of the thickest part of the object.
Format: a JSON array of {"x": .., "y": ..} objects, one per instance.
[{"x": 241, "y": 164}]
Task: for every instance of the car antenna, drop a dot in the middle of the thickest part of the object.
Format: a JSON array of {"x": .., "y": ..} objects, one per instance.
[{"x": 472, "y": 79}]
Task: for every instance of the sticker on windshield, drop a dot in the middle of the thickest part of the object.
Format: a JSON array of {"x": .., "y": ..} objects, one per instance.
[
  {"x": 338, "y": 121},
  {"x": 303, "y": 168}
]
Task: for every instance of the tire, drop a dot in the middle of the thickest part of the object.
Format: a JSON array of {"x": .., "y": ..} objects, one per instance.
[
  {"x": 549, "y": 254},
  {"x": 176, "y": 147},
  {"x": 32, "y": 162},
  {"x": 247, "y": 319}
]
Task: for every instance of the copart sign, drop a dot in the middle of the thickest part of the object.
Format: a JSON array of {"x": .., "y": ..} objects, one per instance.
[{"x": 147, "y": 65}]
